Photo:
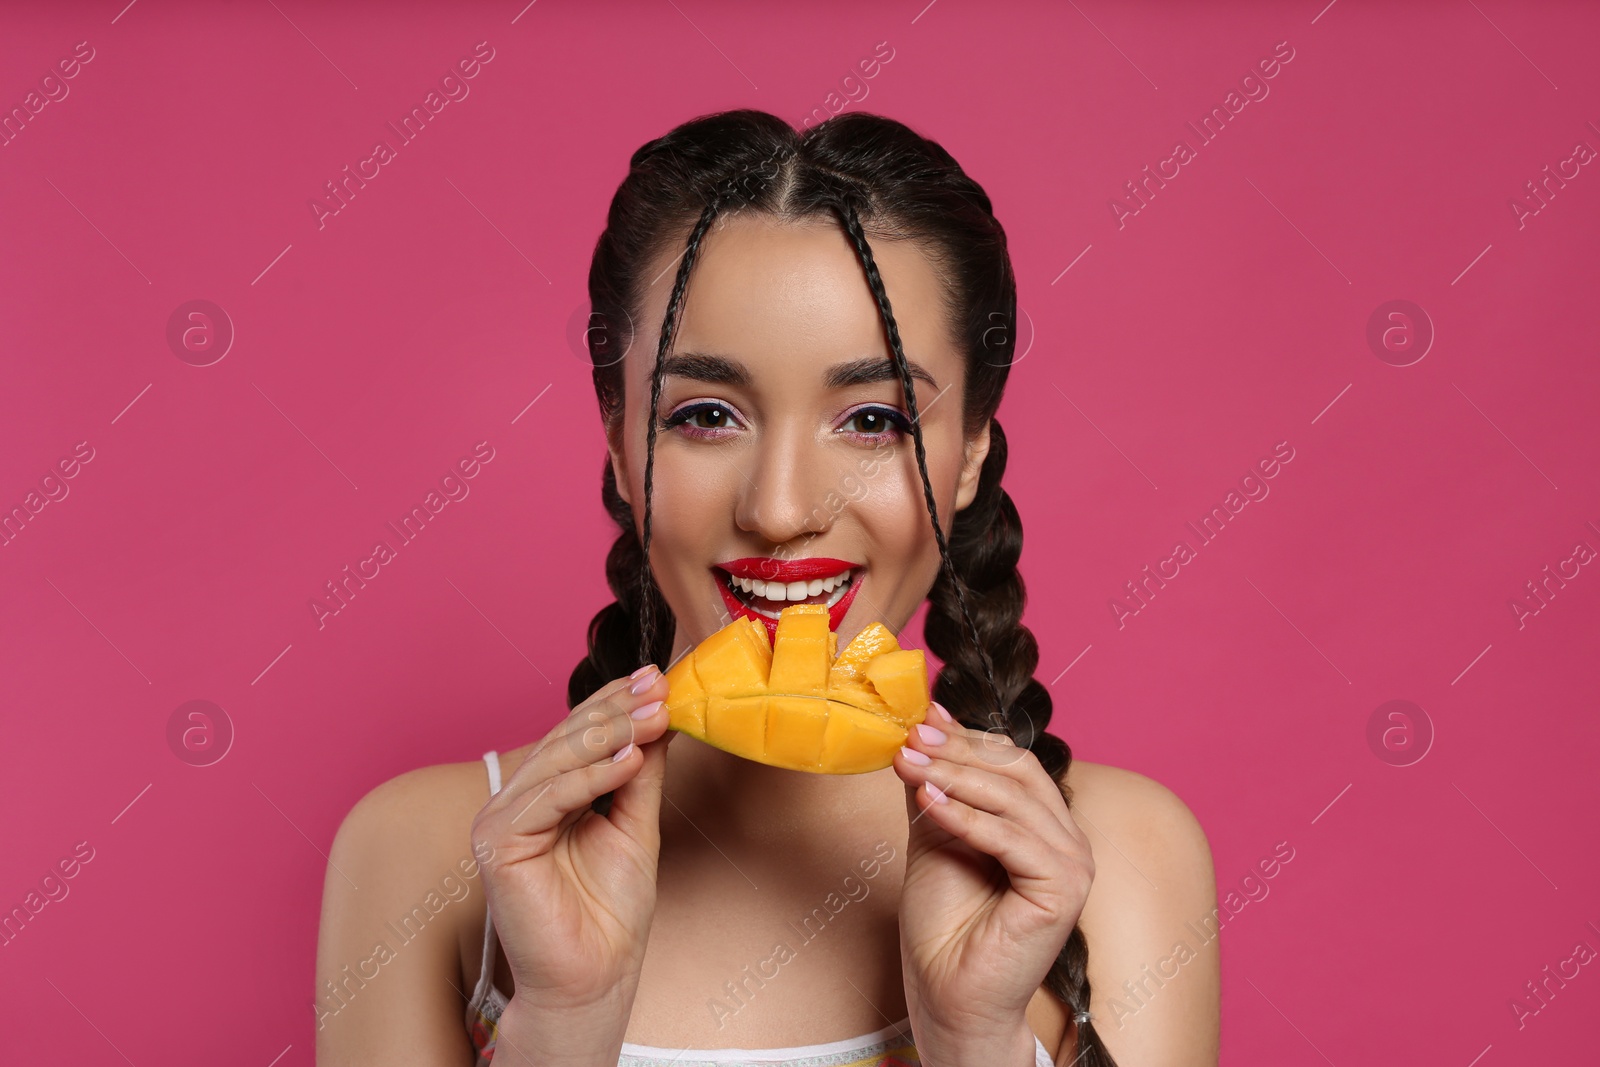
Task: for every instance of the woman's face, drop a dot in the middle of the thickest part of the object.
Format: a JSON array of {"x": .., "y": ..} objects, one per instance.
[{"x": 790, "y": 459}]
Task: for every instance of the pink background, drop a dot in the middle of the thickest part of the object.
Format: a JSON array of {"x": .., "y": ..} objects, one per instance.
[{"x": 1228, "y": 315}]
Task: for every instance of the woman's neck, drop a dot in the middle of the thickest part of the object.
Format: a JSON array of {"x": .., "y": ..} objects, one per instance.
[{"x": 751, "y": 801}]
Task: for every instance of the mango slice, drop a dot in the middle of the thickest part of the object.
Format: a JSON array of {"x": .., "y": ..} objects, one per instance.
[{"x": 800, "y": 703}]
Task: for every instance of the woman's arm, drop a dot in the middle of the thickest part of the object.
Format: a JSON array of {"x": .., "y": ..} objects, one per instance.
[
  {"x": 393, "y": 902},
  {"x": 1148, "y": 921}
]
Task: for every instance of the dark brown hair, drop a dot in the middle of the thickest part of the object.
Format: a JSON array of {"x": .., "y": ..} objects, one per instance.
[{"x": 860, "y": 169}]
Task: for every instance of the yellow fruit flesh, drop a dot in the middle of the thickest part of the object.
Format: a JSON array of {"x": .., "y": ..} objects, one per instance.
[{"x": 799, "y": 703}]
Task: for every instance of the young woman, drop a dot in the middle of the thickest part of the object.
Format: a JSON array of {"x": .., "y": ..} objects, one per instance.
[{"x": 800, "y": 344}]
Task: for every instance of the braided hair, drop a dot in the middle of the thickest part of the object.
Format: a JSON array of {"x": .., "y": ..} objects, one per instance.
[{"x": 858, "y": 168}]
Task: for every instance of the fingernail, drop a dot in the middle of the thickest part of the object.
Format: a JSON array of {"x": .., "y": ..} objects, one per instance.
[
  {"x": 943, "y": 713},
  {"x": 622, "y": 753},
  {"x": 644, "y": 711},
  {"x": 921, "y": 759},
  {"x": 930, "y": 735},
  {"x": 641, "y": 670},
  {"x": 645, "y": 681},
  {"x": 937, "y": 794}
]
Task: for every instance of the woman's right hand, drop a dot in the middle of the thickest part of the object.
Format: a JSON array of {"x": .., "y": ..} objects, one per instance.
[{"x": 572, "y": 891}]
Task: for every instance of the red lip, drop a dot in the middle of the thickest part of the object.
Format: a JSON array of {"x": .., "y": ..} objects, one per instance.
[
  {"x": 836, "y": 614},
  {"x": 786, "y": 570}
]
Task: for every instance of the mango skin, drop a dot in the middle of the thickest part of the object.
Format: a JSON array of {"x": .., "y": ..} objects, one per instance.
[{"x": 796, "y": 704}]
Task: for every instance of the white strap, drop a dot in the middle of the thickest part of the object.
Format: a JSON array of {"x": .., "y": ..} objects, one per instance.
[
  {"x": 486, "y": 969},
  {"x": 492, "y": 758}
]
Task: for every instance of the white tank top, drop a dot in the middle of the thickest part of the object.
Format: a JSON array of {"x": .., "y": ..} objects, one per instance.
[{"x": 889, "y": 1047}]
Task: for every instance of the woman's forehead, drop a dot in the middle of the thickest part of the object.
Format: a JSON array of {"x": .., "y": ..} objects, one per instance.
[{"x": 792, "y": 298}]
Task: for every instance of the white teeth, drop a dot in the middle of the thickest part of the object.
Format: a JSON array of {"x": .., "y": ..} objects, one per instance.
[{"x": 781, "y": 592}]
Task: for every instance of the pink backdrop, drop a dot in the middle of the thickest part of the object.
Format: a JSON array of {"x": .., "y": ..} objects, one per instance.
[{"x": 1443, "y": 850}]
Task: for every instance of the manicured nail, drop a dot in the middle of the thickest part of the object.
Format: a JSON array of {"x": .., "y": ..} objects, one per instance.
[
  {"x": 930, "y": 735},
  {"x": 921, "y": 759},
  {"x": 644, "y": 711},
  {"x": 645, "y": 681},
  {"x": 937, "y": 794},
  {"x": 942, "y": 712},
  {"x": 622, "y": 753},
  {"x": 641, "y": 670}
]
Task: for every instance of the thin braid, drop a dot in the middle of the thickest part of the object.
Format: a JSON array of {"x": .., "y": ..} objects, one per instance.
[
  {"x": 668, "y": 331},
  {"x": 852, "y": 225}
]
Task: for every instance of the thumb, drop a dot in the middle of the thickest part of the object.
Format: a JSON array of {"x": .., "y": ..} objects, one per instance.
[{"x": 636, "y": 804}]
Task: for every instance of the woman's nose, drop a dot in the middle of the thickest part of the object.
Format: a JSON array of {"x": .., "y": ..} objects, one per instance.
[{"x": 785, "y": 491}]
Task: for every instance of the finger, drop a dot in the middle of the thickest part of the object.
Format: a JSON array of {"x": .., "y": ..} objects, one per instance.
[
  {"x": 563, "y": 776},
  {"x": 990, "y": 744},
  {"x": 1026, "y": 856},
  {"x": 622, "y": 695},
  {"x": 1042, "y": 895},
  {"x": 597, "y": 728},
  {"x": 544, "y": 809},
  {"x": 636, "y": 806},
  {"x": 995, "y": 795},
  {"x": 993, "y": 750}
]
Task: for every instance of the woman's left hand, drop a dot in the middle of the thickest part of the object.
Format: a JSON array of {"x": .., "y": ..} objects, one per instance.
[{"x": 997, "y": 872}]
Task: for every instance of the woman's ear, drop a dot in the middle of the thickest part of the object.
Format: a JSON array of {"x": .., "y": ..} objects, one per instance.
[
  {"x": 619, "y": 465},
  {"x": 971, "y": 467}
]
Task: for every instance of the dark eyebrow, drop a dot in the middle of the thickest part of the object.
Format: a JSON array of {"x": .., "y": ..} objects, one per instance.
[
  {"x": 870, "y": 371},
  {"x": 701, "y": 367}
]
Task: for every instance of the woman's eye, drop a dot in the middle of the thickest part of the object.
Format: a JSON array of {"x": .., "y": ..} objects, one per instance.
[
  {"x": 876, "y": 422},
  {"x": 704, "y": 417}
]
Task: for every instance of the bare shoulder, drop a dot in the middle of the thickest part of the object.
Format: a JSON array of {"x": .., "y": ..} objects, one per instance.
[
  {"x": 1135, "y": 809},
  {"x": 1149, "y": 920},
  {"x": 400, "y": 895},
  {"x": 410, "y": 833},
  {"x": 426, "y": 811},
  {"x": 1152, "y": 857}
]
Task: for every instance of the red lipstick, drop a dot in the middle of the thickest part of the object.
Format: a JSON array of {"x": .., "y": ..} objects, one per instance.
[{"x": 787, "y": 570}]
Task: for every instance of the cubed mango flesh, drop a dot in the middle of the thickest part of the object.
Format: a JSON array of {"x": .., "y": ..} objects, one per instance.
[
  {"x": 873, "y": 640},
  {"x": 796, "y": 703},
  {"x": 901, "y": 679},
  {"x": 858, "y": 740},
  {"x": 800, "y": 653},
  {"x": 686, "y": 699},
  {"x": 795, "y": 729}
]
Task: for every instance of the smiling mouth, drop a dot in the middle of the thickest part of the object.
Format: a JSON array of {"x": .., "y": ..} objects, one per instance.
[{"x": 770, "y": 598}]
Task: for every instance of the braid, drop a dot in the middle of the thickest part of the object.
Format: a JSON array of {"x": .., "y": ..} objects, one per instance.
[
  {"x": 852, "y": 226},
  {"x": 615, "y": 632},
  {"x": 985, "y": 545},
  {"x": 988, "y": 536},
  {"x": 631, "y": 618},
  {"x": 668, "y": 330}
]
